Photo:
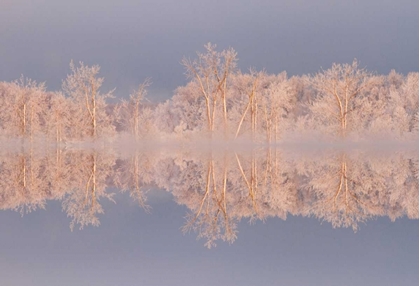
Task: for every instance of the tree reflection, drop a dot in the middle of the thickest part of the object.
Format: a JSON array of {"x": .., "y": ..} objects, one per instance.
[
  {"x": 219, "y": 187},
  {"x": 341, "y": 191},
  {"x": 209, "y": 213},
  {"x": 89, "y": 182},
  {"x": 132, "y": 175}
]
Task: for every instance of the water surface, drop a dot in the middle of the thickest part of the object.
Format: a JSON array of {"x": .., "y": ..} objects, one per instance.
[{"x": 271, "y": 216}]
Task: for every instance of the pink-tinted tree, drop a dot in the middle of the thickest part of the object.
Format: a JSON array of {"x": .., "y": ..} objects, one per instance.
[{"x": 83, "y": 86}]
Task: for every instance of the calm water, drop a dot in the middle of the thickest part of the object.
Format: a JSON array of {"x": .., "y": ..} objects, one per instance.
[{"x": 270, "y": 216}]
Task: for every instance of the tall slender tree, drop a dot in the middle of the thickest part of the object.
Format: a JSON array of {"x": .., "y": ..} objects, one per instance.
[
  {"x": 211, "y": 71},
  {"x": 83, "y": 86},
  {"x": 133, "y": 107},
  {"x": 337, "y": 88}
]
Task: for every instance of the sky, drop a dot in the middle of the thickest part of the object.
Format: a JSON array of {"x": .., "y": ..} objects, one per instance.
[{"x": 133, "y": 40}]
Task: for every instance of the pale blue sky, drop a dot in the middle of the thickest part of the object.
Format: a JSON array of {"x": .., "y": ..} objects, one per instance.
[{"x": 132, "y": 40}]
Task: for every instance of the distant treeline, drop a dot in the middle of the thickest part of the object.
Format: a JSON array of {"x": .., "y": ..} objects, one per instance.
[{"x": 219, "y": 101}]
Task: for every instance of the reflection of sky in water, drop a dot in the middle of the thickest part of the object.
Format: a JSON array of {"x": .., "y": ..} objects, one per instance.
[{"x": 133, "y": 247}]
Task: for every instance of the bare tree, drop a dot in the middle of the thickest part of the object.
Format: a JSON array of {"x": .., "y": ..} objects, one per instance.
[
  {"x": 24, "y": 106},
  {"x": 337, "y": 88},
  {"x": 83, "y": 86},
  {"x": 211, "y": 71},
  {"x": 58, "y": 119},
  {"x": 249, "y": 87},
  {"x": 133, "y": 106}
]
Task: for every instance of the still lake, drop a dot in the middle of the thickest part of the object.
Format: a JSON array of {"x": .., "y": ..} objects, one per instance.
[{"x": 179, "y": 216}]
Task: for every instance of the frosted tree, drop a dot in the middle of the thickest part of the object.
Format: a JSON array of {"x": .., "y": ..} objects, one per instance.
[
  {"x": 8, "y": 121},
  {"x": 59, "y": 118},
  {"x": 166, "y": 118},
  {"x": 23, "y": 107},
  {"x": 278, "y": 105},
  {"x": 370, "y": 107},
  {"x": 190, "y": 108},
  {"x": 248, "y": 84},
  {"x": 133, "y": 108},
  {"x": 83, "y": 86},
  {"x": 405, "y": 100},
  {"x": 211, "y": 70},
  {"x": 337, "y": 89}
]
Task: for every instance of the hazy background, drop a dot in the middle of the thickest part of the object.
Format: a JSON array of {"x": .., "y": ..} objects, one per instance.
[{"x": 132, "y": 40}]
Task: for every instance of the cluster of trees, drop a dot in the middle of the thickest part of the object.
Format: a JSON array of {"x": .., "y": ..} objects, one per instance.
[
  {"x": 77, "y": 112},
  {"x": 219, "y": 188},
  {"x": 218, "y": 101}
]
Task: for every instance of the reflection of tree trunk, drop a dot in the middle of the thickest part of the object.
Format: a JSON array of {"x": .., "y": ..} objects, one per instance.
[
  {"x": 191, "y": 222},
  {"x": 135, "y": 189},
  {"x": 23, "y": 173},
  {"x": 91, "y": 185},
  {"x": 252, "y": 184},
  {"x": 94, "y": 179},
  {"x": 221, "y": 203},
  {"x": 343, "y": 187},
  {"x": 342, "y": 181},
  {"x": 268, "y": 168},
  {"x": 212, "y": 209},
  {"x": 31, "y": 164},
  {"x": 21, "y": 179}
]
